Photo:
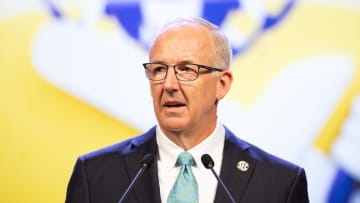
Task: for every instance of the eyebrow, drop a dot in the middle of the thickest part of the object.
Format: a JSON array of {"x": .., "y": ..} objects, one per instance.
[{"x": 179, "y": 63}]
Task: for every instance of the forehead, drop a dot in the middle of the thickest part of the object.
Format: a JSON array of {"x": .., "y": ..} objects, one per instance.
[{"x": 183, "y": 43}]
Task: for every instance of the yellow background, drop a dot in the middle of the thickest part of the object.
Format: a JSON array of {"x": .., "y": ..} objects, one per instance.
[{"x": 43, "y": 129}]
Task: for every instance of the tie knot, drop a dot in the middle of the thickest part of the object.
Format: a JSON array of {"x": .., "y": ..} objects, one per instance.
[{"x": 185, "y": 158}]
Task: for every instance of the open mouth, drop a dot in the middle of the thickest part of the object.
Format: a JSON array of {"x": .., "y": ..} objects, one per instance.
[{"x": 173, "y": 104}]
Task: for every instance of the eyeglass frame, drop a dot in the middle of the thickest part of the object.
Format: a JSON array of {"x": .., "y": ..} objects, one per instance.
[{"x": 209, "y": 68}]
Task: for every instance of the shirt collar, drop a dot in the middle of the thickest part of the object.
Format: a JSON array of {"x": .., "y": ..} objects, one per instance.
[{"x": 212, "y": 145}]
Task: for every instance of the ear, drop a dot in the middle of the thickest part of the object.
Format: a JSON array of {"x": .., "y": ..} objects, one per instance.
[{"x": 224, "y": 84}]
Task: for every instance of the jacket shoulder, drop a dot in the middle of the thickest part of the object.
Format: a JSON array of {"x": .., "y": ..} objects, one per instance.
[
  {"x": 121, "y": 148},
  {"x": 261, "y": 156}
]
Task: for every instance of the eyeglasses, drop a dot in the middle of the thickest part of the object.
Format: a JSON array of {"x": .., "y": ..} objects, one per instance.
[{"x": 183, "y": 72}]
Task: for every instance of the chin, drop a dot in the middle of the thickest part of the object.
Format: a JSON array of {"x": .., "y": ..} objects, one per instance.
[{"x": 173, "y": 125}]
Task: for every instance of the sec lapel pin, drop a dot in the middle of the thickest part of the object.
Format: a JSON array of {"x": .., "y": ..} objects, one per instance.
[{"x": 242, "y": 166}]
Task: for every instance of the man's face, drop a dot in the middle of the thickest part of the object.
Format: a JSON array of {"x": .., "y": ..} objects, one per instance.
[{"x": 185, "y": 106}]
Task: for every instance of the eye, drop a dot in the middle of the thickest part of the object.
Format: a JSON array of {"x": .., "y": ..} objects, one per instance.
[
  {"x": 187, "y": 68},
  {"x": 157, "y": 68}
]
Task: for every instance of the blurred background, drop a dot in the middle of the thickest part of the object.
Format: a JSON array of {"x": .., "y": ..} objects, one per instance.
[{"x": 71, "y": 81}]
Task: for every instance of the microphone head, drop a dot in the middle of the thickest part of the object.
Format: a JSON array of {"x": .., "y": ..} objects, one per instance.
[
  {"x": 207, "y": 161},
  {"x": 147, "y": 161}
]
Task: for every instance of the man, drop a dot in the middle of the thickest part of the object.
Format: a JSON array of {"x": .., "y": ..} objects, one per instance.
[{"x": 188, "y": 75}]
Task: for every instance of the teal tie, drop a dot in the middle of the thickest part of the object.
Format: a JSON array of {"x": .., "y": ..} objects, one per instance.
[{"x": 185, "y": 188}]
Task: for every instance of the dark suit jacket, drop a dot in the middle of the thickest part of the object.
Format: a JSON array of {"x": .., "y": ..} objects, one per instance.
[{"x": 103, "y": 176}]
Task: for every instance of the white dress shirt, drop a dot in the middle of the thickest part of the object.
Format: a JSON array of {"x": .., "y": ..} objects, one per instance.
[{"x": 168, "y": 172}]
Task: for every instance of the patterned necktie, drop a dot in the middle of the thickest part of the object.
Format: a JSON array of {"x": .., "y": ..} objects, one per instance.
[{"x": 185, "y": 188}]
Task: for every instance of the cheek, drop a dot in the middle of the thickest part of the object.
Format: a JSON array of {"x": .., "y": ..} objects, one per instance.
[
  {"x": 208, "y": 91},
  {"x": 204, "y": 97},
  {"x": 203, "y": 89},
  {"x": 154, "y": 90}
]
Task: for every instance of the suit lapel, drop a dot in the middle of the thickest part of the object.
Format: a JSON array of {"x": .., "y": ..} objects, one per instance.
[
  {"x": 147, "y": 187},
  {"x": 236, "y": 178}
]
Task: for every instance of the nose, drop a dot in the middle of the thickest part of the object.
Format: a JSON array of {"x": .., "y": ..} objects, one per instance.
[{"x": 170, "y": 82}]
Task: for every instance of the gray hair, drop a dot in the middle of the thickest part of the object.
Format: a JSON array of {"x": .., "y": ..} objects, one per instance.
[{"x": 223, "y": 52}]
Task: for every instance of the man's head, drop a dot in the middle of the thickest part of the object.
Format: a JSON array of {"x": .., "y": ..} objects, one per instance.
[
  {"x": 222, "y": 49},
  {"x": 185, "y": 97}
]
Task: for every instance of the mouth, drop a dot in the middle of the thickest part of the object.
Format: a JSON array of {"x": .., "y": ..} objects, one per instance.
[{"x": 174, "y": 104}]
